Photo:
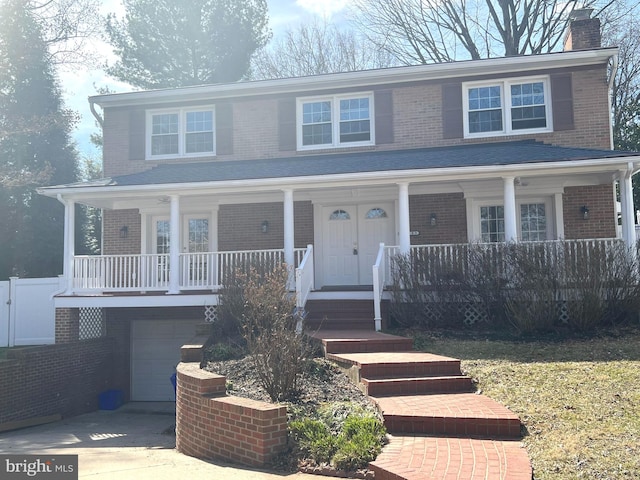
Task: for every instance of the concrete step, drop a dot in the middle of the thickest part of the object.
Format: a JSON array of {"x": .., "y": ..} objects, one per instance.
[
  {"x": 358, "y": 341},
  {"x": 385, "y": 365},
  {"x": 457, "y": 415},
  {"x": 421, "y": 457},
  {"x": 414, "y": 386}
]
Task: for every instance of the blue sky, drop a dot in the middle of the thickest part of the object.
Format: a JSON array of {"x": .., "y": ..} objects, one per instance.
[{"x": 78, "y": 84}]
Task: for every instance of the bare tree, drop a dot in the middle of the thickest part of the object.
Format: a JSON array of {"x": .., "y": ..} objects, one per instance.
[
  {"x": 428, "y": 31},
  {"x": 68, "y": 28},
  {"x": 316, "y": 48}
]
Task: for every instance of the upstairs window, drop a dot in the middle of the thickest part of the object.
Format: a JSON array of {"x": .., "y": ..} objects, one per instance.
[
  {"x": 180, "y": 133},
  {"x": 507, "y": 107},
  {"x": 338, "y": 121}
]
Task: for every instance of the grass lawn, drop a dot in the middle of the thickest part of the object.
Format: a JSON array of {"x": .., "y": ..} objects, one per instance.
[{"x": 579, "y": 400}]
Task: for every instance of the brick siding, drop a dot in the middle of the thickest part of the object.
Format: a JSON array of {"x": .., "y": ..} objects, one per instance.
[
  {"x": 67, "y": 327},
  {"x": 212, "y": 425},
  {"x": 112, "y": 222},
  {"x": 240, "y": 226},
  {"x": 417, "y": 120},
  {"x": 600, "y": 201},
  {"x": 63, "y": 379},
  {"x": 451, "y": 218}
]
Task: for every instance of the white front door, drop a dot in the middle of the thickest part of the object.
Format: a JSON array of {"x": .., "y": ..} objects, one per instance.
[
  {"x": 340, "y": 244},
  {"x": 351, "y": 237}
]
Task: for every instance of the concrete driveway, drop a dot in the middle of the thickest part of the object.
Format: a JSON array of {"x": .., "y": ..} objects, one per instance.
[{"x": 130, "y": 443}]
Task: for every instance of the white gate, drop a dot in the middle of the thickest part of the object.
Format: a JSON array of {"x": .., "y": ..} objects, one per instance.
[{"x": 27, "y": 312}]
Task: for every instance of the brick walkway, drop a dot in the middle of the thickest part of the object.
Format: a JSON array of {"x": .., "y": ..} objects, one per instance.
[{"x": 439, "y": 429}]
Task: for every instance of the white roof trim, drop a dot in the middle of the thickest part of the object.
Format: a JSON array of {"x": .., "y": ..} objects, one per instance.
[{"x": 361, "y": 78}]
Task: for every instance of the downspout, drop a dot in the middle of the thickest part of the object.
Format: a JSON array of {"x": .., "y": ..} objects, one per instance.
[{"x": 612, "y": 78}]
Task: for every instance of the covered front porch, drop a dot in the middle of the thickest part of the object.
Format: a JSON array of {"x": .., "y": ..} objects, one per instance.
[{"x": 179, "y": 229}]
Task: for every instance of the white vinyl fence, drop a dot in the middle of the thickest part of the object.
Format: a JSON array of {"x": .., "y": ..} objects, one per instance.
[{"x": 27, "y": 313}]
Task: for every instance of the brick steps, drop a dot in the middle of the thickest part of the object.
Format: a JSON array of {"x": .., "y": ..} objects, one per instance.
[
  {"x": 420, "y": 457},
  {"x": 438, "y": 429},
  {"x": 412, "y": 386},
  {"x": 360, "y": 341},
  {"x": 452, "y": 414},
  {"x": 385, "y": 365}
]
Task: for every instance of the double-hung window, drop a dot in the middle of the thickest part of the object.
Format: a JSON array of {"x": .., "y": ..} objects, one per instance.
[
  {"x": 336, "y": 121},
  {"x": 180, "y": 133},
  {"x": 507, "y": 107}
]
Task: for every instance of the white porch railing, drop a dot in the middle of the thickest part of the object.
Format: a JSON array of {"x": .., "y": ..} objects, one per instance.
[
  {"x": 150, "y": 272},
  {"x": 436, "y": 259},
  {"x": 124, "y": 273},
  {"x": 304, "y": 278}
]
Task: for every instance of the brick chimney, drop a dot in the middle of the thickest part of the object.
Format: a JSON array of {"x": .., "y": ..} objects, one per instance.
[{"x": 583, "y": 32}]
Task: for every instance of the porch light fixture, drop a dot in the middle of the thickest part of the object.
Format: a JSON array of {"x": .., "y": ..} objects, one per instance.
[
  {"x": 124, "y": 231},
  {"x": 433, "y": 219},
  {"x": 265, "y": 226},
  {"x": 585, "y": 212}
]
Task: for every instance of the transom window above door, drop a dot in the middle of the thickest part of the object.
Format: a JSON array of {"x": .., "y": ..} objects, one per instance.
[
  {"x": 339, "y": 215},
  {"x": 507, "y": 107},
  {"x": 180, "y": 133},
  {"x": 336, "y": 121}
]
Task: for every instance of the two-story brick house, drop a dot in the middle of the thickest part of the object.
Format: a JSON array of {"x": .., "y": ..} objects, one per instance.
[{"x": 503, "y": 149}]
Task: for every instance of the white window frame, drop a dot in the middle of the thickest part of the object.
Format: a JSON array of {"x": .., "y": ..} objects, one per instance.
[
  {"x": 182, "y": 132},
  {"x": 335, "y": 120},
  {"x": 505, "y": 100},
  {"x": 476, "y": 224}
]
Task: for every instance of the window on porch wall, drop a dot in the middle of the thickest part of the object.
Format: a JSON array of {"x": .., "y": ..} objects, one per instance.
[{"x": 533, "y": 223}]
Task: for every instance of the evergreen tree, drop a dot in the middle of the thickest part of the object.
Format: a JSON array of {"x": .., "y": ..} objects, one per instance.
[
  {"x": 35, "y": 148},
  {"x": 175, "y": 43}
]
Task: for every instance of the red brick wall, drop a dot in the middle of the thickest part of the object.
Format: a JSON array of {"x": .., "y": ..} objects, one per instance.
[
  {"x": 599, "y": 200},
  {"x": 67, "y": 328},
  {"x": 63, "y": 379},
  {"x": 112, "y": 222},
  {"x": 451, "y": 218},
  {"x": 211, "y": 425},
  {"x": 240, "y": 226}
]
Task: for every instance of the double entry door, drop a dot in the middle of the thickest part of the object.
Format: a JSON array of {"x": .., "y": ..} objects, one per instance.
[{"x": 351, "y": 238}]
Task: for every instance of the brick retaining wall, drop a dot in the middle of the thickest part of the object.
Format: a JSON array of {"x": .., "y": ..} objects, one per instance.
[
  {"x": 63, "y": 379},
  {"x": 210, "y": 424}
]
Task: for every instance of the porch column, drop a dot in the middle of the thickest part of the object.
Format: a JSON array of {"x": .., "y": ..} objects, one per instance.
[
  {"x": 403, "y": 218},
  {"x": 510, "y": 224},
  {"x": 289, "y": 256},
  {"x": 174, "y": 246},
  {"x": 69, "y": 242},
  {"x": 626, "y": 205}
]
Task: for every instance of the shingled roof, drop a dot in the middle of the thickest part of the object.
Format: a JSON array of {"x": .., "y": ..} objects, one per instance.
[{"x": 489, "y": 154}]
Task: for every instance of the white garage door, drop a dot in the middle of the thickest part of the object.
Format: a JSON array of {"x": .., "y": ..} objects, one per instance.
[{"x": 155, "y": 352}]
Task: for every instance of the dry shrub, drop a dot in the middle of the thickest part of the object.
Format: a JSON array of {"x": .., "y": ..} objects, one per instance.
[{"x": 268, "y": 325}]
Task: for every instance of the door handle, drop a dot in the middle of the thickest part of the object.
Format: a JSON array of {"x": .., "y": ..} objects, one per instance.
[{"x": 355, "y": 251}]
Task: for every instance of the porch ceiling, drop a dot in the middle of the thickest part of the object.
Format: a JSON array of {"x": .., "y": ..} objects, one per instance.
[{"x": 348, "y": 170}]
